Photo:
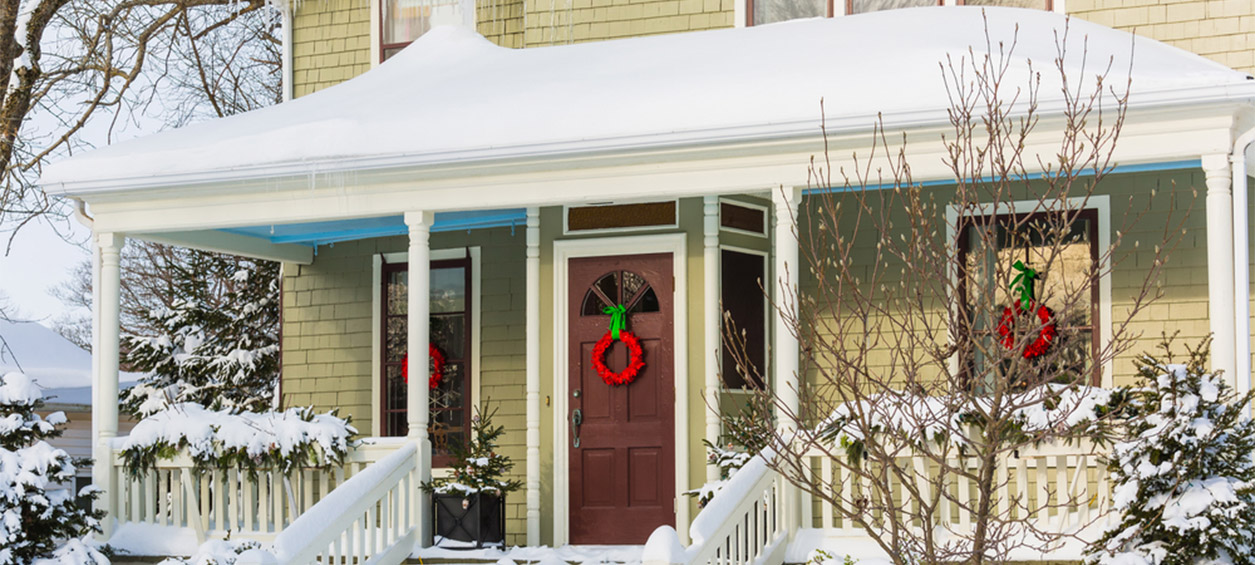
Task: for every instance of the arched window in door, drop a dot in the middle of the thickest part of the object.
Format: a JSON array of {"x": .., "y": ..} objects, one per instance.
[{"x": 619, "y": 287}]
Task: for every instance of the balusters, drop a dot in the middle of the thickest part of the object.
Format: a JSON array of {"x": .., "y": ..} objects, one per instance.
[
  {"x": 825, "y": 473},
  {"x": 1021, "y": 478},
  {"x": 206, "y": 502},
  {"x": 136, "y": 514}
]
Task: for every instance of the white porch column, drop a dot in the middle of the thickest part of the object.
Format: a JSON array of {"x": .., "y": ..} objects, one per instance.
[
  {"x": 417, "y": 337},
  {"x": 1220, "y": 264},
  {"x": 786, "y": 351},
  {"x": 710, "y": 290},
  {"x": 107, "y": 304},
  {"x": 533, "y": 376}
]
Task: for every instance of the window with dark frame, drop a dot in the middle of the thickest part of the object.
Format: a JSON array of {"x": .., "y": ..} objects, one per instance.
[
  {"x": 759, "y": 12},
  {"x": 450, "y": 333},
  {"x": 745, "y": 305},
  {"x": 401, "y": 22},
  {"x": 1072, "y": 278}
]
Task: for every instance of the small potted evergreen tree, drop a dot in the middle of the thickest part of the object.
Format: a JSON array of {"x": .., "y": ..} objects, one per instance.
[{"x": 469, "y": 505}]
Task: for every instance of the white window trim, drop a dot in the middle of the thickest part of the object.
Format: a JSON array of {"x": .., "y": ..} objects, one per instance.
[
  {"x": 1101, "y": 204},
  {"x": 563, "y": 252},
  {"x": 376, "y": 24},
  {"x": 376, "y": 317}
]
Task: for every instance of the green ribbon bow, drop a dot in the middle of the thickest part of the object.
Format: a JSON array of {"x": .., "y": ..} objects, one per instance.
[
  {"x": 618, "y": 319},
  {"x": 1022, "y": 284}
]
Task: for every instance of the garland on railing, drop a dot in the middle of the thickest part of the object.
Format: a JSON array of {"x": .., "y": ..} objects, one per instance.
[{"x": 220, "y": 439}]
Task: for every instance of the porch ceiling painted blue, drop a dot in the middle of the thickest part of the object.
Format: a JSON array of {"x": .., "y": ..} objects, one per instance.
[
  {"x": 321, "y": 233},
  {"x": 1118, "y": 169}
]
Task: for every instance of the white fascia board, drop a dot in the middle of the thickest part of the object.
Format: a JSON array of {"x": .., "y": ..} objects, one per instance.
[
  {"x": 1149, "y": 136},
  {"x": 236, "y": 244},
  {"x": 1186, "y": 98}
]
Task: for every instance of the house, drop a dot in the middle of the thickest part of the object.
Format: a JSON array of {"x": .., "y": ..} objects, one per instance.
[
  {"x": 64, "y": 372},
  {"x": 506, "y": 197}
]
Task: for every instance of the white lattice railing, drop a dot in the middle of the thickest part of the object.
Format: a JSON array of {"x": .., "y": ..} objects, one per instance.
[
  {"x": 371, "y": 519},
  {"x": 1061, "y": 488},
  {"x": 216, "y": 504},
  {"x": 747, "y": 522}
]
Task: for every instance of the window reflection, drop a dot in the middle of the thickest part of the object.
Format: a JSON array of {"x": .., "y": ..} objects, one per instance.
[{"x": 449, "y": 333}]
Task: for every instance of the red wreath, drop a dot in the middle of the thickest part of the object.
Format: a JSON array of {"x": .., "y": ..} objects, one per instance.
[
  {"x": 1045, "y": 337},
  {"x": 626, "y": 376},
  {"x": 437, "y": 366}
]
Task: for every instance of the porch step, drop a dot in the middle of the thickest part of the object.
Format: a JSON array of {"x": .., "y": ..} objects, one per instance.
[
  {"x": 487, "y": 561},
  {"x": 573, "y": 554}
]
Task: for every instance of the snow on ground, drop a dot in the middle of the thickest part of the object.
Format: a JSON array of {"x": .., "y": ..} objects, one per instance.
[
  {"x": 62, "y": 369},
  {"x": 866, "y": 552},
  {"x": 137, "y": 538}
]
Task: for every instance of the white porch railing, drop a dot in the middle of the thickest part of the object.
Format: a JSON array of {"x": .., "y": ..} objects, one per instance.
[
  {"x": 1061, "y": 488},
  {"x": 745, "y": 523},
  {"x": 370, "y": 519},
  {"x": 752, "y": 519},
  {"x": 221, "y": 503}
]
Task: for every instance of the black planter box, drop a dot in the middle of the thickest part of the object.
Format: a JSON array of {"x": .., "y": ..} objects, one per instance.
[{"x": 478, "y": 518}]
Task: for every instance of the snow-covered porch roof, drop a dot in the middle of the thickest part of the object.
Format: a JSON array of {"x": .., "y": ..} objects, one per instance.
[{"x": 455, "y": 123}]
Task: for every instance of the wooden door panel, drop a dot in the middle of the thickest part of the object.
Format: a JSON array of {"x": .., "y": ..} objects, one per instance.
[
  {"x": 597, "y": 399},
  {"x": 599, "y": 469},
  {"x": 643, "y": 463},
  {"x": 623, "y": 471},
  {"x": 644, "y": 397}
]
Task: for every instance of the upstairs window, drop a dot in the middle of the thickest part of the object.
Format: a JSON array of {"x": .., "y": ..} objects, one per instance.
[
  {"x": 760, "y": 12},
  {"x": 403, "y": 21}
]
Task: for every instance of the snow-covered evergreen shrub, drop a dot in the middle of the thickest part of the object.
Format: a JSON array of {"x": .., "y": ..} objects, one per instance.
[
  {"x": 477, "y": 467},
  {"x": 215, "y": 552},
  {"x": 1183, "y": 482},
  {"x": 745, "y": 437},
  {"x": 219, "y": 339},
  {"x": 35, "y": 514},
  {"x": 222, "y": 439}
]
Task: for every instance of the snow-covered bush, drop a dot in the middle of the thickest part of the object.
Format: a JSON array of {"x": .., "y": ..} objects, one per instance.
[
  {"x": 74, "y": 552},
  {"x": 1183, "y": 482},
  {"x": 918, "y": 420},
  {"x": 222, "y": 439},
  {"x": 36, "y": 514},
  {"x": 477, "y": 467},
  {"x": 744, "y": 439},
  {"x": 215, "y": 552},
  {"x": 217, "y": 341},
  {"x": 729, "y": 460}
]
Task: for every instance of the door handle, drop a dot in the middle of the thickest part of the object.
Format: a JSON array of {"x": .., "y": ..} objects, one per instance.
[{"x": 577, "y": 418}]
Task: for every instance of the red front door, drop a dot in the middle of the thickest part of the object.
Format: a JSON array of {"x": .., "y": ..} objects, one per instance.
[{"x": 623, "y": 466}]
